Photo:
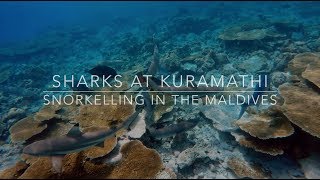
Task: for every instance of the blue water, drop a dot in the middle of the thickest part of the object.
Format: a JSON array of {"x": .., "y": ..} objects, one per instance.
[{"x": 24, "y": 20}]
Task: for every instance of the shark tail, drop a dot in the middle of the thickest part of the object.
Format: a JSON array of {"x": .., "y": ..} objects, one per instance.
[{"x": 57, "y": 163}]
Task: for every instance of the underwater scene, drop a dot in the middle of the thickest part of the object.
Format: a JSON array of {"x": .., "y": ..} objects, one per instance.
[{"x": 171, "y": 90}]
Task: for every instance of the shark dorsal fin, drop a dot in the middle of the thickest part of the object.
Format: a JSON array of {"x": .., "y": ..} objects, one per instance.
[
  {"x": 75, "y": 131},
  {"x": 100, "y": 145}
]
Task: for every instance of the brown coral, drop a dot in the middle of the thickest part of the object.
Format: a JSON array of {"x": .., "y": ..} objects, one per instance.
[
  {"x": 302, "y": 107},
  {"x": 97, "y": 152},
  {"x": 266, "y": 126},
  {"x": 244, "y": 169},
  {"x": 25, "y": 129},
  {"x": 45, "y": 123},
  {"x": 138, "y": 162},
  {"x": 312, "y": 73},
  {"x": 300, "y": 62},
  {"x": 41, "y": 169},
  {"x": 46, "y": 113},
  {"x": 103, "y": 115},
  {"x": 272, "y": 147},
  {"x": 15, "y": 171}
]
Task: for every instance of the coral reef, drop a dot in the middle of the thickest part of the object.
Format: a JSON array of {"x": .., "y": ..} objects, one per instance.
[
  {"x": 300, "y": 62},
  {"x": 15, "y": 171},
  {"x": 301, "y": 106},
  {"x": 273, "y": 147},
  {"x": 249, "y": 31},
  {"x": 138, "y": 162},
  {"x": 245, "y": 170},
  {"x": 312, "y": 73},
  {"x": 98, "y": 152},
  {"x": 26, "y": 129},
  {"x": 102, "y": 115},
  {"x": 266, "y": 125},
  {"x": 268, "y": 142}
]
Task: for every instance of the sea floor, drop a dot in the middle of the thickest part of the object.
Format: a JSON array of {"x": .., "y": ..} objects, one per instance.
[{"x": 283, "y": 41}]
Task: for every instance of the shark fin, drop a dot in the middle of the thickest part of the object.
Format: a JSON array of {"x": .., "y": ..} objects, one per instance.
[
  {"x": 243, "y": 109},
  {"x": 100, "y": 145},
  {"x": 57, "y": 163},
  {"x": 75, "y": 131}
]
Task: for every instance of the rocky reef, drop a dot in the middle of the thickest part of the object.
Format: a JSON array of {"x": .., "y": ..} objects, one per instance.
[{"x": 276, "y": 141}]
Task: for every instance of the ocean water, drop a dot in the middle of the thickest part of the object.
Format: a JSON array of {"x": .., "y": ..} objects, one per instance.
[{"x": 62, "y": 51}]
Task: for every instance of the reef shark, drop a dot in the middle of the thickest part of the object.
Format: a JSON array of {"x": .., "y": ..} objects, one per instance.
[
  {"x": 74, "y": 141},
  {"x": 173, "y": 129},
  {"x": 258, "y": 90},
  {"x": 154, "y": 66}
]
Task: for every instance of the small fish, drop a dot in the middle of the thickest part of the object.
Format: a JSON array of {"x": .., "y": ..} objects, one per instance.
[
  {"x": 103, "y": 70},
  {"x": 74, "y": 141},
  {"x": 257, "y": 92}
]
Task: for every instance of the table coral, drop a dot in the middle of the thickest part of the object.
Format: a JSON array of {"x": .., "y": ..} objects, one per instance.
[
  {"x": 266, "y": 126},
  {"x": 312, "y": 73},
  {"x": 97, "y": 152},
  {"x": 46, "y": 113},
  {"x": 271, "y": 147},
  {"x": 138, "y": 162},
  {"x": 300, "y": 62},
  {"x": 102, "y": 115},
  {"x": 244, "y": 169},
  {"x": 301, "y": 105},
  {"x": 15, "y": 171},
  {"x": 25, "y": 129}
]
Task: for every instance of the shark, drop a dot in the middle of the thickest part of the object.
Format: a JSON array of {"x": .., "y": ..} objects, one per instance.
[
  {"x": 258, "y": 90},
  {"x": 154, "y": 66},
  {"x": 75, "y": 141},
  {"x": 173, "y": 129}
]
